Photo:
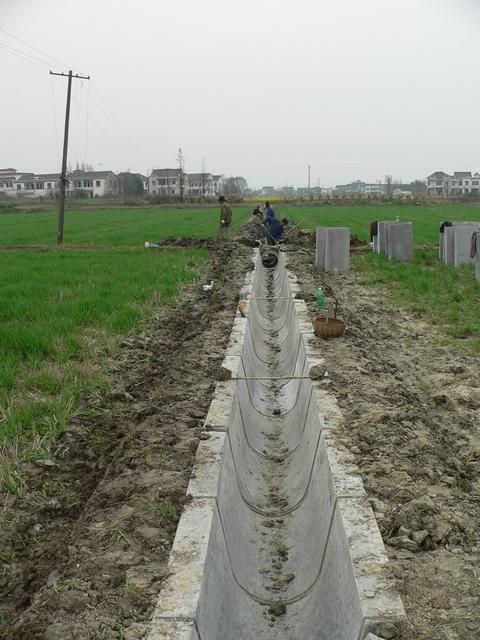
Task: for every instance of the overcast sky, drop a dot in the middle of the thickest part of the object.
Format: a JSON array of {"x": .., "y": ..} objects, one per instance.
[{"x": 259, "y": 88}]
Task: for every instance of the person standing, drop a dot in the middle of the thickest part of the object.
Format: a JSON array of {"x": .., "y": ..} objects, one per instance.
[{"x": 224, "y": 231}]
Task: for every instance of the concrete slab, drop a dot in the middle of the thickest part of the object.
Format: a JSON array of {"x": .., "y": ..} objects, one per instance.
[{"x": 400, "y": 241}]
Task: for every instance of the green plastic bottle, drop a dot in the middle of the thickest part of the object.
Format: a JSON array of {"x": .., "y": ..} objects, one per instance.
[{"x": 320, "y": 299}]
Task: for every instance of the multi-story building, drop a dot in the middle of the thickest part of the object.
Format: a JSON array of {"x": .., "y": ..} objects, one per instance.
[
  {"x": 460, "y": 184},
  {"x": 201, "y": 184},
  {"x": 218, "y": 184},
  {"x": 47, "y": 185},
  {"x": 377, "y": 189},
  {"x": 8, "y": 182},
  {"x": 352, "y": 188},
  {"x": 95, "y": 183},
  {"x": 167, "y": 182}
]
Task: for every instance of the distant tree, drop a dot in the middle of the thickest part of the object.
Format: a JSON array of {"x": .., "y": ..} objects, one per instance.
[
  {"x": 231, "y": 187},
  {"x": 129, "y": 184},
  {"x": 81, "y": 194}
]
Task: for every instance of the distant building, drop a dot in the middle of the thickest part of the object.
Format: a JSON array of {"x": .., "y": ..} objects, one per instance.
[
  {"x": 218, "y": 184},
  {"x": 167, "y": 182},
  {"x": 439, "y": 184},
  {"x": 8, "y": 181},
  {"x": 96, "y": 183},
  {"x": 460, "y": 184},
  {"x": 376, "y": 189},
  {"x": 286, "y": 191},
  {"x": 201, "y": 184},
  {"x": 353, "y": 188},
  {"x": 267, "y": 191}
]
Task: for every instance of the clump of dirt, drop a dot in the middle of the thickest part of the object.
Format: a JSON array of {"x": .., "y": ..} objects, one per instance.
[
  {"x": 85, "y": 549},
  {"x": 192, "y": 242},
  {"x": 411, "y": 420}
]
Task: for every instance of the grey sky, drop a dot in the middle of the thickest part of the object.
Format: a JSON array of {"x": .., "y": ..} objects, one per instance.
[{"x": 258, "y": 88}]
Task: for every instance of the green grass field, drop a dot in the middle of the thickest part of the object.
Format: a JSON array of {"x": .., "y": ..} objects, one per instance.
[
  {"x": 60, "y": 309},
  {"x": 119, "y": 227},
  {"x": 131, "y": 227},
  {"x": 59, "y": 313},
  {"x": 426, "y": 219}
]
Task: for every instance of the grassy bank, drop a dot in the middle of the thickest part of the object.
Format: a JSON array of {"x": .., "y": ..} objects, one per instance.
[
  {"x": 59, "y": 313},
  {"x": 448, "y": 298}
]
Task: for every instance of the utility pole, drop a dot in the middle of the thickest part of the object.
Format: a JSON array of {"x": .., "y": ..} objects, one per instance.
[
  {"x": 63, "y": 177},
  {"x": 180, "y": 172},
  {"x": 309, "y": 176},
  {"x": 203, "y": 178}
]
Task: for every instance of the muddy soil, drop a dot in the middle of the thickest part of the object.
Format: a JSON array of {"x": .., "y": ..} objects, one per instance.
[
  {"x": 412, "y": 424},
  {"x": 84, "y": 550}
]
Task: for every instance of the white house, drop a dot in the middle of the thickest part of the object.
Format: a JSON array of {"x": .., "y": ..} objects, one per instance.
[
  {"x": 377, "y": 189},
  {"x": 460, "y": 184},
  {"x": 218, "y": 184},
  {"x": 95, "y": 183},
  {"x": 8, "y": 182},
  {"x": 167, "y": 182},
  {"x": 201, "y": 184}
]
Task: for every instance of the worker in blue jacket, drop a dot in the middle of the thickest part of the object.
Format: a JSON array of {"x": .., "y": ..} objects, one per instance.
[{"x": 274, "y": 230}]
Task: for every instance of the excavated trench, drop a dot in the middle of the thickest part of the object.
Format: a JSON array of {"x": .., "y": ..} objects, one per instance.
[{"x": 278, "y": 540}]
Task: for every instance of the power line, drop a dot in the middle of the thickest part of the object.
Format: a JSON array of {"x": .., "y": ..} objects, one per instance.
[
  {"x": 25, "y": 56},
  {"x": 123, "y": 141},
  {"x": 63, "y": 64},
  {"x": 119, "y": 125}
]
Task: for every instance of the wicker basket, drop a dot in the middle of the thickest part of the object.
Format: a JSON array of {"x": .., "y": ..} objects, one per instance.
[
  {"x": 329, "y": 327},
  {"x": 326, "y": 327}
]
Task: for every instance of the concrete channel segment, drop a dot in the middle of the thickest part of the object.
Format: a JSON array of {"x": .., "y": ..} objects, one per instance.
[
  {"x": 476, "y": 240},
  {"x": 278, "y": 541},
  {"x": 399, "y": 241},
  {"x": 382, "y": 230},
  {"x": 333, "y": 249},
  {"x": 457, "y": 242}
]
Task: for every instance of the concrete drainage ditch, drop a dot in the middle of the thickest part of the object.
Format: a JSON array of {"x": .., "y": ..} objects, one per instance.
[{"x": 279, "y": 541}]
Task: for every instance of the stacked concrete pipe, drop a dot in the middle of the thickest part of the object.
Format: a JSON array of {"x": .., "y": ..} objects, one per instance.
[{"x": 279, "y": 541}]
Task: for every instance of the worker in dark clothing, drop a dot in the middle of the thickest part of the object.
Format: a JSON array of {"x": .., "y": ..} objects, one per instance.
[
  {"x": 269, "y": 211},
  {"x": 224, "y": 231},
  {"x": 274, "y": 230}
]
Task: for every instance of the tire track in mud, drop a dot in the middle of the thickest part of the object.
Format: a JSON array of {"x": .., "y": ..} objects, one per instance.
[{"x": 84, "y": 550}]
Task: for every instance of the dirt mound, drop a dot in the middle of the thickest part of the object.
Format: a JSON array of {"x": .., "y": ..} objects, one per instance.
[
  {"x": 84, "y": 550},
  {"x": 191, "y": 242},
  {"x": 411, "y": 422},
  {"x": 251, "y": 232}
]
